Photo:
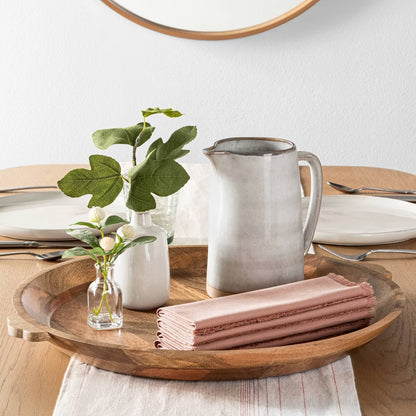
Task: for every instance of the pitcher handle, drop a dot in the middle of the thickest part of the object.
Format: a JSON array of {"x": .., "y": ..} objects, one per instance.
[{"x": 315, "y": 198}]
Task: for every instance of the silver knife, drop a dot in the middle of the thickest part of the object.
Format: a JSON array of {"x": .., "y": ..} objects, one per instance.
[
  {"x": 21, "y": 244},
  {"x": 409, "y": 198}
]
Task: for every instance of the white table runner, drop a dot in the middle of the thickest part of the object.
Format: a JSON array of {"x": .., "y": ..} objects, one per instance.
[
  {"x": 86, "y": 390},
  {"x": 326, "y": 391}
]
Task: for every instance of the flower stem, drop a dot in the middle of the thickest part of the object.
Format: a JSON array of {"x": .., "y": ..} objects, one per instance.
[
  {"x": 108, "y": 308},
  {"x": 104, "y": 272}
]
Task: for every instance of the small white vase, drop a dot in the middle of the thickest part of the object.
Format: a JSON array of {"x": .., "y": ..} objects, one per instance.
[{"x": 142, "y": 272}]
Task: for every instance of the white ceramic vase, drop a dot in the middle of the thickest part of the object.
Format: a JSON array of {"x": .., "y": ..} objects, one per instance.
[{"x": 142, "y": 272}]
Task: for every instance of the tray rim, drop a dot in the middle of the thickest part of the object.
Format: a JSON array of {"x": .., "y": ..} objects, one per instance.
[{"x": 344, "y": 343}]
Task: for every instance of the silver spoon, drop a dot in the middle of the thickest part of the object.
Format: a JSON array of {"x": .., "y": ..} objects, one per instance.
[
  {"x": 53, "y": 255},
  {"x": 349, "y": 190},
  {"x": 362, "y": 256}
]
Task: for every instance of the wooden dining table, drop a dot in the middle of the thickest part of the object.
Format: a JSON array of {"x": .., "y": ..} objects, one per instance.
[{"x": 385, "y": 369}]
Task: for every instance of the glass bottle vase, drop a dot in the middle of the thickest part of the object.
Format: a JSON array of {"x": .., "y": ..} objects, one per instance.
[{"x": 105, "y": 307}]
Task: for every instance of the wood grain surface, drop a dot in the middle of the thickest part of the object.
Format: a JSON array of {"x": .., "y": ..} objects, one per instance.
[
  {"x": 385, "y": 368},
  {"x": 52, "y": 307}
]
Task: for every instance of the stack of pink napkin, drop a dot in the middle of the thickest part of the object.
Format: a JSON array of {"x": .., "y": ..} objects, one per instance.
[{"x": 297, "y": 312}]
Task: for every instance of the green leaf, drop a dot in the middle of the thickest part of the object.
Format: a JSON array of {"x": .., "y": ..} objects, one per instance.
[
  {"x": 163, "y": 178},
  {"x": 103, "y": 181},
  {"x": 145, "y": 136},
  {"x": 103, "y": 139},
  {"x": 154, "y": 146},
  {"x": 114, "y": 219},
  {"x": 86, "y": 224},
  {"x": 75, "y": 252},
  {"x": 176, "y": 154},
  {"x": 137, "y": 241},
  {"x": 166, "y": 111},
  {"x": 85, "y": 236},
  {"x": 179, "y": 138},
  {"x": 97, "y": 251},
  {"x": 140, "y": 200},
  {"x": 116, "y": 251},
  {"x": 167, "y": 178},
  {"x": 172, "y": 113}
]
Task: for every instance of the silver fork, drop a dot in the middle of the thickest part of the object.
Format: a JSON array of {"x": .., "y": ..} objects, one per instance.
[
  {"x": 349, "y": 190},
  {"x": 53, "y": 255},
  {"x": 362, "y": 256}
]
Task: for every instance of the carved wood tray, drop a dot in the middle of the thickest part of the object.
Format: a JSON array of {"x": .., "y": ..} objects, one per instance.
[{"x": 51, "y": 307}]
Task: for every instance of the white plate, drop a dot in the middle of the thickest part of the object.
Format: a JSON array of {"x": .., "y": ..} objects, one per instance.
[
  {"x": 363, "y": 220},
  {"x": 46, "y": 215}
]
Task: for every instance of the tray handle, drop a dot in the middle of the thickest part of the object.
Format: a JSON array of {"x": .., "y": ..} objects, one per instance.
[{"x": 19, "y": 328}]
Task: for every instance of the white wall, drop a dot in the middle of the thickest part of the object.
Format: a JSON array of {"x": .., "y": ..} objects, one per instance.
[{"x": 339, "y": 81}]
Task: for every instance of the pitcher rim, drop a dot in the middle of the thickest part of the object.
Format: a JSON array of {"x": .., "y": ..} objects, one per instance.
[{"x": 211, "y": 149}]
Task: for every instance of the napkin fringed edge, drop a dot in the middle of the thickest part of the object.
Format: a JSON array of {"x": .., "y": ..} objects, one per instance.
[
  {"x": 342, "y": 317},
  {"x": 185, "y": 323},
  {"x": 309, "y": 336},
  {"x": 206, "y": 331},
  {"x": 339, "y": 313}
]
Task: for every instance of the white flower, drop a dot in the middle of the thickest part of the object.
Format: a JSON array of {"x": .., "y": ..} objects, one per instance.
[
  {"x": 107, "y": 243},
  {"x": 96, "y": 214},
  {"x": 126, "y": 231}
]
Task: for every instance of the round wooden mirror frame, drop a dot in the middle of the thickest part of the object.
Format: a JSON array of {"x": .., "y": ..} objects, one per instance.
[{"x": 229, "y": 34}]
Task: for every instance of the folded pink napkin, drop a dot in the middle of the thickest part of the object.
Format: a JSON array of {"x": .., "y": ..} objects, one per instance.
[{"x": 296, "y": 312}]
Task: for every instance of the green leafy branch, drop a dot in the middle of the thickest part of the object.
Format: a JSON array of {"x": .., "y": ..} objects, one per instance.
[
  {"x": 104, "y": 251},
  {"x": 121, "y": 244},
  {"x": 158, "y": 173}
]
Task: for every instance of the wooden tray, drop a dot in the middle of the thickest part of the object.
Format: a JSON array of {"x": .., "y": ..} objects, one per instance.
[{"x": 52, "y": 307}]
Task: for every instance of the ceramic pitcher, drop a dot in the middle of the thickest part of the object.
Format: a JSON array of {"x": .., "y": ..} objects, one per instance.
[{"x": 256, "y": 234}]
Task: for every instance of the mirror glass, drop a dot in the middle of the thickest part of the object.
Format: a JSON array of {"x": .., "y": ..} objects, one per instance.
[{"x": 210, "y": 19}]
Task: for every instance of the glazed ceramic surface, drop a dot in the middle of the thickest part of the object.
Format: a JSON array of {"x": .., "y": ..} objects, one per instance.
[
  {"x": 256, "y": 235},
  {"x": 142, "y": 272},
  {"x": 47, "y": 215},
  {"x": 364, "y": 220}
]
